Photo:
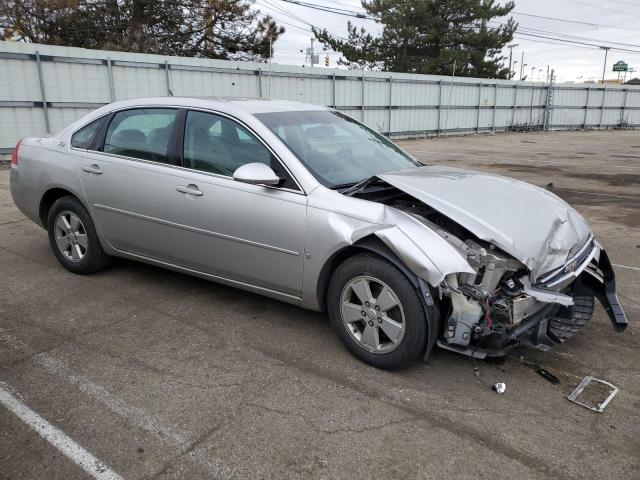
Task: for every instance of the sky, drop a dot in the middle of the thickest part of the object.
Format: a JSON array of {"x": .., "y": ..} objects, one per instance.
[{"x": 598, "y": 22}]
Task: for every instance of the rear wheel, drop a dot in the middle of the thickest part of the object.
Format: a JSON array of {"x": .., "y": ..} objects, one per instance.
[
  {"x": 377, "y": 312},
  {"x": 73, "y": 237}
]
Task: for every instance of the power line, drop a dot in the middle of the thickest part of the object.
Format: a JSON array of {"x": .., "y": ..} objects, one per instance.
[
  {"x": 594, "y": 25},
  {"x": 290, "y": 14},
  {"x": 285, "y": 11},
  {"x": 336, "y": 10},
  {"x": 609, "y": 9},
  {"x": 575, "y": 37},
  {"x": 344, "y": 4},
  {"x": 576, "y": 42}
]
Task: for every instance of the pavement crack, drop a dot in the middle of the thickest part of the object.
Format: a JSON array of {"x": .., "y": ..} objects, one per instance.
[
  {"x": 430, "y": 416},
  {"x": 330, "y": 431},
  {"x": 14, "y": 221}
]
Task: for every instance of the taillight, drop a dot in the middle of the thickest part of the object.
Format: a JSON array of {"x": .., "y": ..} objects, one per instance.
[{"x": 14, "y": 155}]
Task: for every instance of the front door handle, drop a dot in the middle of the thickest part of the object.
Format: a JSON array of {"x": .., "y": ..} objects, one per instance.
[
  {"x": 190, "y": 189},
  {"x": 92, "y": 169}
]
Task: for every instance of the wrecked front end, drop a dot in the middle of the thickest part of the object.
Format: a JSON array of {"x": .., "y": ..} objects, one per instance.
[
  {"x": 500, "y": 301},
  {"x": 498, "y": 308}
]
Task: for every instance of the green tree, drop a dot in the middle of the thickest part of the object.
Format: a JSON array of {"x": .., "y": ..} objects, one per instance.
[
  {"x": 430, "y": 36},
  {"x": 225, "y": 29}
]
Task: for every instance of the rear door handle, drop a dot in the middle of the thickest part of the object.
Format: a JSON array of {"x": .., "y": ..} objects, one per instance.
[
  {"x": 190, "y": 189},
  {"x": 92, "y": 169}
]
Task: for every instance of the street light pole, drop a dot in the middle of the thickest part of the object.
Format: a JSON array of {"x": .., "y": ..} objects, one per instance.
[
  {"x": 522, "y": 65},
  {"x": 511, "y": 47},
  {"x": 604, "y": 69}
]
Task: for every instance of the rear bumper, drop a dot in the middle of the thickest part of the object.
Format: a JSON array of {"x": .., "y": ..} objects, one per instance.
[{"x": 24, "y": 197}]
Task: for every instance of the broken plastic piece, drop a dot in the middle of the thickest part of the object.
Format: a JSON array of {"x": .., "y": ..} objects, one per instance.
[
  {"x": 548, "y": 376},
  {"x": 599, "y": 406},
  {"x": 499, "y": 388}
]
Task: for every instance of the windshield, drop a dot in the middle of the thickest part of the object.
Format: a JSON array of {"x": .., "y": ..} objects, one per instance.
[{"x": 337, "y": 150}]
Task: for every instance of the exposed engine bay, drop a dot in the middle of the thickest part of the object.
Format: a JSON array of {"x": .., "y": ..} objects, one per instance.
[{"x": 487, "y": 312}]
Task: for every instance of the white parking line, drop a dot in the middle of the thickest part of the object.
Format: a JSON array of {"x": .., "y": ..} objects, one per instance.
[
  {"x": 637, "y": 269},
  {"x": 179, "y": 439},
  {"x": 56, "y": 437}
]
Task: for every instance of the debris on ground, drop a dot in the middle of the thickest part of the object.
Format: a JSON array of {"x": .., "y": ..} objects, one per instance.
[
  {"x": 593, "y": 393},
  {"x": 499, "y": 388},
  {"x": 547, "y": 375}
]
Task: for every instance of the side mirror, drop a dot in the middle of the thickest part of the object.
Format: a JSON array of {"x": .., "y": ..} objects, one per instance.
[{"x": 256, "y": 174}]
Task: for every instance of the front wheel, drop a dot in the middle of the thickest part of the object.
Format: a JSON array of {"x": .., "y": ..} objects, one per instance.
[{"x": 377, "y": 312}]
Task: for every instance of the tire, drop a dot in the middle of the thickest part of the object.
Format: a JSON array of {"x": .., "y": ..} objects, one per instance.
[
  {"x": 73, "y": 237},
  {"x": 387, "y": 285}
]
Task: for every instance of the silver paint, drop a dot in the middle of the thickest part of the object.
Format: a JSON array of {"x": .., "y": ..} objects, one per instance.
[{"x": 276, "y": 241}]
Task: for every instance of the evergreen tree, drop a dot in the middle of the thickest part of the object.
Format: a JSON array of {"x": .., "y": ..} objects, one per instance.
[
  {"x": 225, "y": 29},
  {"x": 429, "y": 36}
]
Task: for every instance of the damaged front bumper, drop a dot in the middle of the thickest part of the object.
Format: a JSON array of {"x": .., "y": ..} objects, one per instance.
[
  {"x": 592, "y": 277},
  {"x": 600, "y": 281}
]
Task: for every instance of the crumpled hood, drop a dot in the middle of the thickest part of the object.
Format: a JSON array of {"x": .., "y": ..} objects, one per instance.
[{"x": 531, "y": 224}]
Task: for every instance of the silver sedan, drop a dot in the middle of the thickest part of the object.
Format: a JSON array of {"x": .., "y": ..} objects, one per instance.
[{"x": 306, "y": 205}]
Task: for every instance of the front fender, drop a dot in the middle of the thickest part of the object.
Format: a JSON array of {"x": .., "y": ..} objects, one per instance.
[{"x": 425, "y": 253}]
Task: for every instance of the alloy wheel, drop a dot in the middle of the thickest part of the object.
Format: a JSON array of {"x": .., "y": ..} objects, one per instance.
[
  {"x": 372, "y": 314},
  {"x": 71, "y": 236}
]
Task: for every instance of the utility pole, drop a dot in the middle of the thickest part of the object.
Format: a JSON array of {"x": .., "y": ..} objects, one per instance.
[
  {"x": 311, "y": 52},
  {"x": 511, "y": 47},
  {"x": 604, "y": 69},
  {"x": 270, "y": 57},
  {"x": 532, "y": 70},
  {"x": 547, "y": 73},
  {"x": 522, "y": 65}
]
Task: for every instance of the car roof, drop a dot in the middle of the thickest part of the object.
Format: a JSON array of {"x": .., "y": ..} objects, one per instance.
[{"x": 245, "y": 105}]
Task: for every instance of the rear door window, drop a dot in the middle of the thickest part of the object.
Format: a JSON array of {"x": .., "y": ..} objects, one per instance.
[{"x": 141, "y": 133}]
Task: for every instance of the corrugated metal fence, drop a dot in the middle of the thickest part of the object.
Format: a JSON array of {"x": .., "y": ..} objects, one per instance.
[{"x": 43, "y": 88}]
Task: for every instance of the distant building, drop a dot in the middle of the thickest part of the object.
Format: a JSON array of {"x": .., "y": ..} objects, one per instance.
[
  {"x": 613, "y": 81},
  {"x": 633, "y": 81}
]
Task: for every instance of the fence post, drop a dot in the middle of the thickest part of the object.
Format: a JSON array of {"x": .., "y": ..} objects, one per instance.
[
  {"x": 363, "y": 80},
  {"x": 390, "y": 103},
  {"x": 42, "y": 93},
  {"x": 515, "y": 100},
  {"x": 333, "y": 89},
  {"x": 531, "y": 109},
  {"x": 624, "y": 107},
  {"x": 439, "y": 106},
  {"x": 479, "y": 105},
  {"x": 604, "y": 97},
  {"x": 112, "y": 91},
  {"x": 548, "y": 104},
  {"x": 166, "y": 74},
  {"x": 586, "y": 108},
  {"x": 259, "y": 72},
  {"x": 495, "y": 106}
]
